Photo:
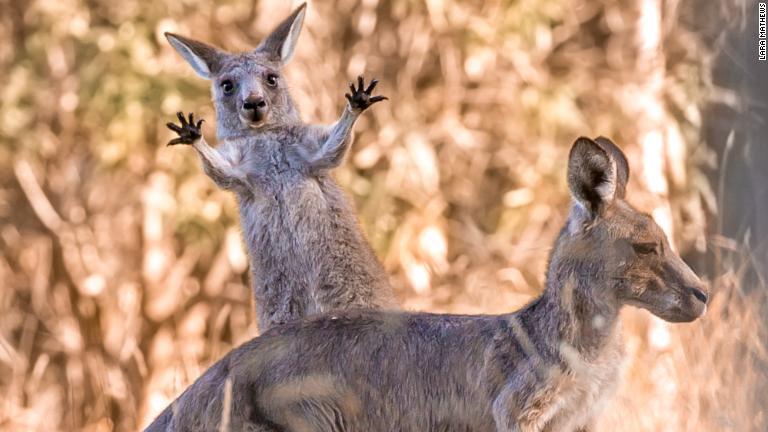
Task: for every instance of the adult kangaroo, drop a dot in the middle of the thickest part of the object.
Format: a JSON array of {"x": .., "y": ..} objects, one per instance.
[
  {"x": 308, "y": 254},
  {"x": 547, "y": 367}
]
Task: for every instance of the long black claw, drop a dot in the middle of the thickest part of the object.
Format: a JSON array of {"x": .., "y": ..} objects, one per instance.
[
  {"x": 360, "y": 83},
  {"x": 352, "y": 87},
  {"x": 181, "y": 117},
  {"x": 199, "y": 123},
  {"x": 378, "y": 99},
  {"x": 371, "y": 86},
  {"x": 175, "y": 141},
  {"x": 173, "y": 127}
]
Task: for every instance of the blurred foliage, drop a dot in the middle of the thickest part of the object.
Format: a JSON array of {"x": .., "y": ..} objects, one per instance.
[{"x": 123, "y": 271}]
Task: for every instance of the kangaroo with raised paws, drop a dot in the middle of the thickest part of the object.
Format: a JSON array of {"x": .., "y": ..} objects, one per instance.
[{"x": 307, "y": 252}]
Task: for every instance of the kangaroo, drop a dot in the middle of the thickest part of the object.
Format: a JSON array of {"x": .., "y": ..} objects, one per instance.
[
  {"x": 547, "y": 367},
  {"x": 307, "y": 252}
]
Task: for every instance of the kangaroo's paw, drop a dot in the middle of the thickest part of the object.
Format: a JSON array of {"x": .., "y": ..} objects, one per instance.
[
  {"x": 189, "y": 132},
  {"x": 361, "y": 98}
]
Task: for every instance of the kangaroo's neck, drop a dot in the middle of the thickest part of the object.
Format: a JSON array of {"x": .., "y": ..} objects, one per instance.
[
  {"x": 587, "y": 321},
  {"x": 576, "y": 310}
]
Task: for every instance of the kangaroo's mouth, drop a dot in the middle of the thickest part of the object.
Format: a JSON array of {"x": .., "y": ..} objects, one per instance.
[
  {"x": 254, "y": 123},
  {"x": 687, "y": 309}
]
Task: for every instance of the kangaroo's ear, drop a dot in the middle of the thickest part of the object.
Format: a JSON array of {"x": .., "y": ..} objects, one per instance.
[
  {"x": 622, "y": 166},
  {"x": 592, "y": 176},
  {"x": 280, "y": 44},
  {"x": 204, "y": 59}
]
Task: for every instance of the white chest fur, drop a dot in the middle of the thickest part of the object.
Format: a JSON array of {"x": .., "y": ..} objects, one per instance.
[{"x": 574, "y": 396}]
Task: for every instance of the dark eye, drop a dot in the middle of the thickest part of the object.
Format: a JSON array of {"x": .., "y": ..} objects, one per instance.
[
  {"x": 228, "y": 87},
  {"x": 271, "y": 80},
  {"x": 645, "y": 248}
]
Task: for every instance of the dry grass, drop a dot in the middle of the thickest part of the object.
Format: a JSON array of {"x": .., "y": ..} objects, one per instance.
[{"x": 123, "y": 275}]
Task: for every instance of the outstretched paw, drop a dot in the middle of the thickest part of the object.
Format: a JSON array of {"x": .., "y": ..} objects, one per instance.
[
  {"x": 361, "y": 98},
  {"x": 189, "y": 132}
]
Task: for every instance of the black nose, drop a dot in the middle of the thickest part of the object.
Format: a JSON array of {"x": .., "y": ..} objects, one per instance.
[
  {"x": 700, "y": 295},
  {"x": 256, "y": 106}
]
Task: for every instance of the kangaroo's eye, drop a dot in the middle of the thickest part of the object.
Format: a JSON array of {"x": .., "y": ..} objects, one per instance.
[
  {"x": 271, "y": 80},
  {"x": 228, "y": 87},
  {"x": 645, "y": 248}
]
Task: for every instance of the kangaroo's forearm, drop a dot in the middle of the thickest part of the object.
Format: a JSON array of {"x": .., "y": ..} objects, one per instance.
[
  {"x": 332, "y": 149},
  {"x": 222, "y": 171}
]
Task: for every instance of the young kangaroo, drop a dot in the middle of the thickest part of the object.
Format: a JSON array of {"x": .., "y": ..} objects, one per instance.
[
  {"x": 308, "y": 254},
  {"x": 546, "y": 367}
]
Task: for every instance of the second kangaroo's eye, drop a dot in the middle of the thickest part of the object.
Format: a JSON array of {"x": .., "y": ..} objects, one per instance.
[
  {"x": 228, "y": 87},
  {"x": 645, "y": 248},
  {"x": 271, "y": 80}
]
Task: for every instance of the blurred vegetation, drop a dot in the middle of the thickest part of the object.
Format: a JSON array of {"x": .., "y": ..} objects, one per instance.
[{"x": 123, "y": 274}]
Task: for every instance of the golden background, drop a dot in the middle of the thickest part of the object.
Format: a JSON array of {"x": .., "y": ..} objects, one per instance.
[{"x": 123, "y": 273}]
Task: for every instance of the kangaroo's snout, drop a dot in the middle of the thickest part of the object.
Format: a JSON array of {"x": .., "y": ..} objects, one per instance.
[
  {"x": 694, "y": 291},
  {"x": 691, "y": 306},
  {"x": 255, "y": 109},
  {"x": 700, "y": 294}
]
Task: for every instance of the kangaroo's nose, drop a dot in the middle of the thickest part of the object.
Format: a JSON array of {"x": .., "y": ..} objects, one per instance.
[
  {"x": 254, "y": 103},
  {"x": 699, "y": 294},
  {"x": 255, "y": 107}
]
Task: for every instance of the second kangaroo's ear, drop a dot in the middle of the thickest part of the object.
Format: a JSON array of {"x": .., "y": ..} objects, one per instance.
[
  {"x": 204, "y": 59},
  {"x": 280, "y": 44},
  {"x": 622, "y": 166},
  {"x": 592, "y": 175}
]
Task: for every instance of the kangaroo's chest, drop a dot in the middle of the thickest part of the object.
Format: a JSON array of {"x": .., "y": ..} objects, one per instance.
[
  {"x": 287, "y": 198},
  {"x": 286, "y": 216},
  {"x": 286, "y": 221},
  {"x": 576, "y": 395}
]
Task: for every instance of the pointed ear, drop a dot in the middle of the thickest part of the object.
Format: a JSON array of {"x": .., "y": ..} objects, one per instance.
[
  {"x": 204, "y": 59},
  {"x": 622, "y": 166},
  {"x": 591, "y": 176},
  {"x": 280, "y": 44}
]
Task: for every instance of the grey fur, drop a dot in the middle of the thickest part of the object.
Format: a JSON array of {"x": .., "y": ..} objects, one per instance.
[
  {"x": 308, "y": 254},
  {"x": 547, "y": 367}
]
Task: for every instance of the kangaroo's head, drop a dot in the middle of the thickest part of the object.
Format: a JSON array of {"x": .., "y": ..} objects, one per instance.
[
  {"x": 248, "y": 88},
  {"x": 607, "y": 240}
]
